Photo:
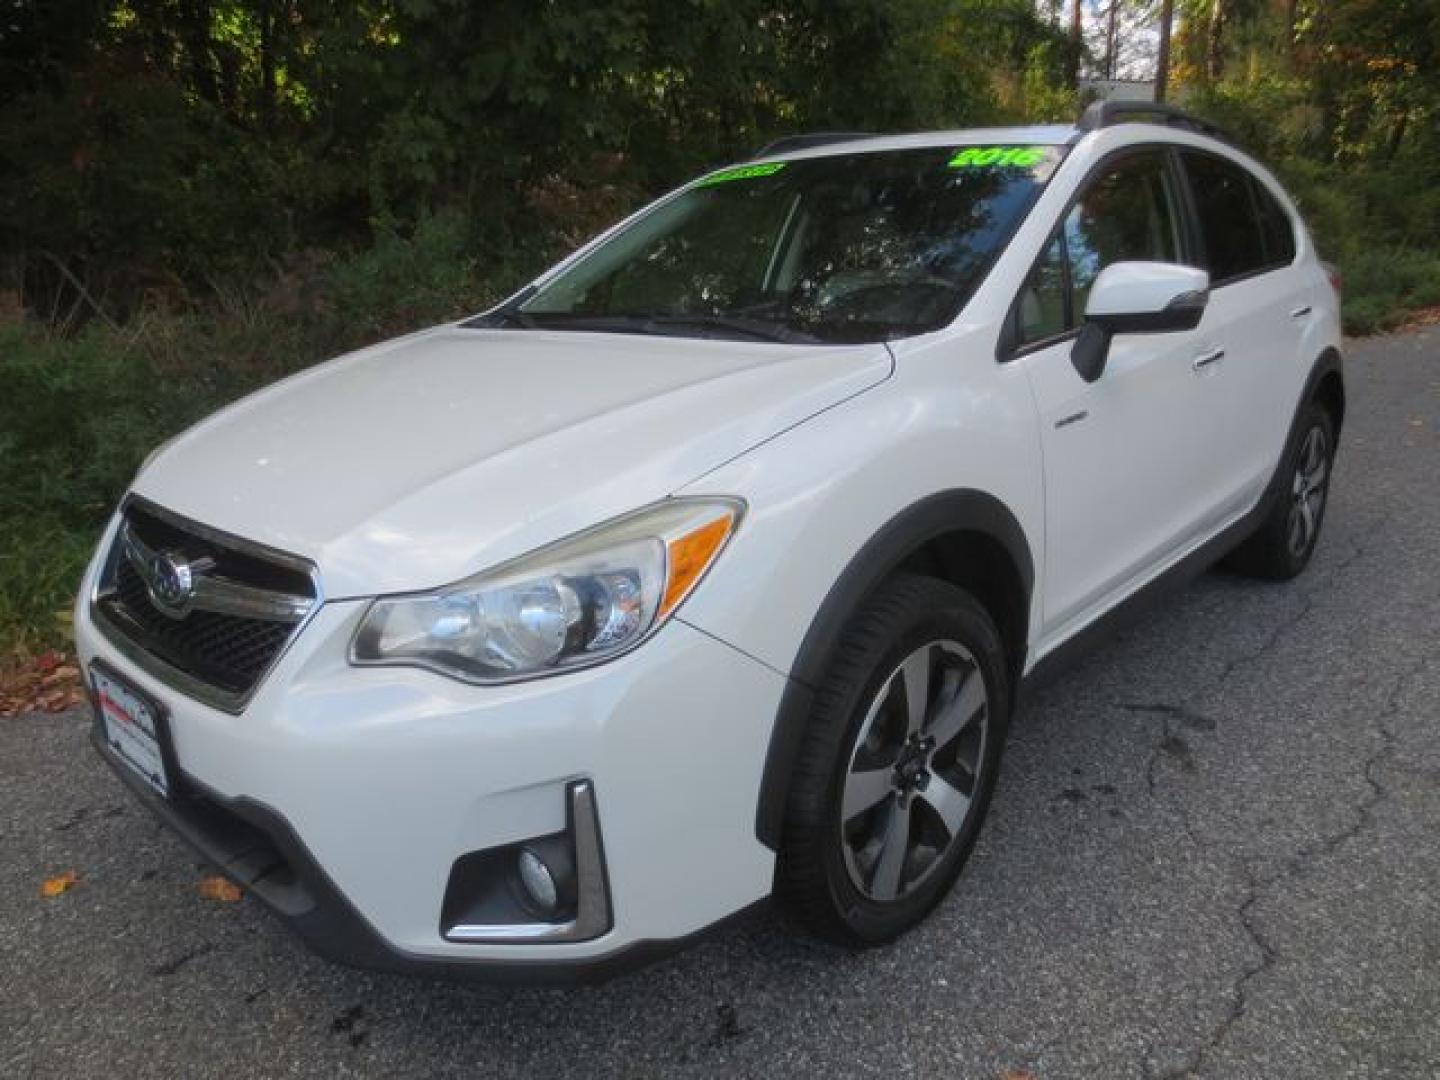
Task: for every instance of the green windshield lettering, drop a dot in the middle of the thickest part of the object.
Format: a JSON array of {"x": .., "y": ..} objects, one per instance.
[
  {"x": 742, "y": 172},
  {"x": 979, "y": 157}
]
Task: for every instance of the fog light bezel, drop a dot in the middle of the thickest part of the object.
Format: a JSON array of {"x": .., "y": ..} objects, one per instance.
[{"x": 485, "y": 901}]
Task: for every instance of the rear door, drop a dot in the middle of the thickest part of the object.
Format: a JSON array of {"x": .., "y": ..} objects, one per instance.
[
  {"x": 1128, "y": 462},
  {"x": 1255, "y": 322}
]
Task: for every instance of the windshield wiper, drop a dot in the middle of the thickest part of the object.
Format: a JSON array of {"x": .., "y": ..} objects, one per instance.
[
  {"x": 508, "y": 314},
  {"x": 721, "y": 325},
  {"x": 760, "y": 329}
]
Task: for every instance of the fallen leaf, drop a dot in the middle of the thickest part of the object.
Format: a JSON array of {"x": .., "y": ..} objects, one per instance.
[
  {"x": 61, "y": 883},
  {"x": 218, "y": 888},
  {"x": 47, "y": 683}
]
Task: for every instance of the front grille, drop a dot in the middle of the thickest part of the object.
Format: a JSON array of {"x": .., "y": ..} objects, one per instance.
[{"x": 212, "y": 645}]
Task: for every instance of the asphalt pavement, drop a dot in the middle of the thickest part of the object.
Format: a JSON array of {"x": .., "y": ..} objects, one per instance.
[{"x": 1214, "y": 853}]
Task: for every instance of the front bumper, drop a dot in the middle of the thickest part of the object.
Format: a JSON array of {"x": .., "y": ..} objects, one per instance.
[{"x": 342, "y": 796}]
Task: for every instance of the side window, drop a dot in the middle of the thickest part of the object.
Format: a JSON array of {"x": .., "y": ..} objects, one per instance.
[
  {"x": 1275, "y": 227},
  {"x": 1234, "y": 242},
  {"x": 1128, "y": 212}
]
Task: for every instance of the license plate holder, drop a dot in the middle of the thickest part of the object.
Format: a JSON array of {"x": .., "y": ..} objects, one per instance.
[{"x": 134, "y": 727}]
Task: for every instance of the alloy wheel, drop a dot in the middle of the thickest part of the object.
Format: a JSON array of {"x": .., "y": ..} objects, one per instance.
[
  {"x": 1308, "y": 490},
  {"x": 913, "y": 776}
]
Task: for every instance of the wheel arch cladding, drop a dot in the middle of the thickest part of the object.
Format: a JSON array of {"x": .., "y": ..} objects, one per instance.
[
  {"x": 1329, "y": 390},
  {"x": 968, "y": 538}
]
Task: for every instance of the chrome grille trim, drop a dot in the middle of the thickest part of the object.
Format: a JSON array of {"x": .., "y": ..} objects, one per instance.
[
  {"x": 214, "y": 597},
  {"x": 221, "y": 595}
]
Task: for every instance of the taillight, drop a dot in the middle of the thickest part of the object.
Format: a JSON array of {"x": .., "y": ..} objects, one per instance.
[{"x": 1337, "y": 279}]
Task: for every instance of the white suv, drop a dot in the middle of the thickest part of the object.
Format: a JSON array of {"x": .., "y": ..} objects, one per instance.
[{"x": 710, "y": 565}]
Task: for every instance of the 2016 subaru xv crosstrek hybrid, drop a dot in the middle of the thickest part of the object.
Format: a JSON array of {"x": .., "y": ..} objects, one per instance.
[{"x": 709, "y": 566}]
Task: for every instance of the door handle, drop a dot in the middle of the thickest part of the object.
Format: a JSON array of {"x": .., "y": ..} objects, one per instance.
[
  {"x": 1205, "y": 359},
  {"x": 1301, "y": 312}
]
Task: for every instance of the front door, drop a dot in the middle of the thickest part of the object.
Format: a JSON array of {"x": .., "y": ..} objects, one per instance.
[{"x": 1128, "y": 475}]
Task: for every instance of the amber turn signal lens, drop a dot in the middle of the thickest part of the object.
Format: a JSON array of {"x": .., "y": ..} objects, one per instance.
[{"x": 689, "y": 555}]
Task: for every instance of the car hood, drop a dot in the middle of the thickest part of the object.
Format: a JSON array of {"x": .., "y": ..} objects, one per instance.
[{"x": 423, "y": 460}]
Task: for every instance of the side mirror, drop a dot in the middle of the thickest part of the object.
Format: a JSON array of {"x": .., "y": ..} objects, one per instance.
[{"x": 1137, "y": 298}]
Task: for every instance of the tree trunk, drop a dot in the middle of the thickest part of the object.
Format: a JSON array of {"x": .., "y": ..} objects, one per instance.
[
  {"x": 1111, "y": 43},
  {"x": 1162, "y": 57},
  {"x": 196, "y": 35},
  {"x": 1077, "y": 40},
  {"x": 1215, "y": 40},
  {"x": 268, "y": 19},
  {"x": 1397, "y": 136}
]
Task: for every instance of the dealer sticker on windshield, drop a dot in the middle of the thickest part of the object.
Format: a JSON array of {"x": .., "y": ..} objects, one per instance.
[
  {"x": 1038, "y": 160},
  {"x": 742, "y": 172}
]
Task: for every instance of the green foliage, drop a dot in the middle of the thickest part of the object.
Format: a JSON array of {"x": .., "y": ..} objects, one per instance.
[
  {"x": 404, "y": 282},
  {"x": 197, "y": 198},
  {"x": 1343, "y": 103},
  {"x": 76, "y": 419},
  {"x": 163, "y": 146},
  {"x": 81, "y": 411}
]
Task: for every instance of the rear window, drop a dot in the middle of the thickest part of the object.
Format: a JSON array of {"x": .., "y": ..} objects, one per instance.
[{"x": 1230, "y": 225}]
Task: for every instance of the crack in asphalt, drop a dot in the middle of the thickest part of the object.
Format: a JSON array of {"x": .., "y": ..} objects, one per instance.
[
  {"x": 1307, "y": 599},
  {"x": 1277, "y": 634},
  {"x": 1305, "y": 860},
  {"x": 1170, "y": 742},
  {"x": 1300, "y": 864}
]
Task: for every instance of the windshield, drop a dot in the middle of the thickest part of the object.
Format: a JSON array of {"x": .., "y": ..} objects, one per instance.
[{"x": 856, "y": 247}]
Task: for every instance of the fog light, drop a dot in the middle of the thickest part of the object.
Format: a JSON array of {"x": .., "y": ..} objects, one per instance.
[{"x": 540, "y": 887}]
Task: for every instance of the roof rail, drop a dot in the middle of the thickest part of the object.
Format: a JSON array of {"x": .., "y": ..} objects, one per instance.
[
  {"x": 811, "y": 139},
  {"x": 1103, "y": 114}
]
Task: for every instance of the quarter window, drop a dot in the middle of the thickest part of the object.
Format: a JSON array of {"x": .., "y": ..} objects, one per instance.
[{"x": 1275, "y": 227}]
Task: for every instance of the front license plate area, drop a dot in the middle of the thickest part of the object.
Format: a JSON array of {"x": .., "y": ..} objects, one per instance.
[{"x": 133, "y": 726}]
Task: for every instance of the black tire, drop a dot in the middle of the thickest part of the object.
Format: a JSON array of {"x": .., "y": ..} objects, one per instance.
[
  {"x": 820, "y": 879},
  {"x": 1272, "y": 551}
]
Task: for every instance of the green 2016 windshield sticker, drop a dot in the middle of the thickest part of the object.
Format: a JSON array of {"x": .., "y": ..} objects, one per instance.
[
  {"x": 979, "y": 157},
  {"x": 742, "y": 172}
]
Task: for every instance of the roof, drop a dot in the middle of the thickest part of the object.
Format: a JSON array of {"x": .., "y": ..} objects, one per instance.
[
  {"x": 1042, "y": 134},
  {"x": 1100, "y": 114}
]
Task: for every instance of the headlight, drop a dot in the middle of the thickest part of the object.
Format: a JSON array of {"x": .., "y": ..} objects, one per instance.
[{"x": 572, "y": 604}]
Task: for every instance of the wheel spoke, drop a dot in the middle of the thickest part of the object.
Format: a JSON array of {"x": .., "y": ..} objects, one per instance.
[
  {"x": 916, "y": 675},
  {"x": 1315, "y": 477},
  {"x": 948, "y": 801},
  {"x": 885, "y": 885},
  {"x": 1307, "y": 515},
  {"x": 864, "y": 790},
  {"x": 961, "y": 710},
  {"x": 1314, "y": 450},
  {"x": 1297, "y": 529}
]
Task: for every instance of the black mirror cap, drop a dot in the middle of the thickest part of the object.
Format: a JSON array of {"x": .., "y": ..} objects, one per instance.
[
  {"x": 1091, "y": 350},
  {"x": 1182, "y": 313}
]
